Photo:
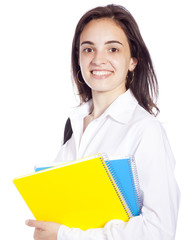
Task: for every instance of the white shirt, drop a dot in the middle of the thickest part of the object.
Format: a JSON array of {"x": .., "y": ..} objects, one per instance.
[{"x": 125, "y": 128}]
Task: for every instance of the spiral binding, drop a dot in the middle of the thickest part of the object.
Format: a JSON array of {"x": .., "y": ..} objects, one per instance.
[
  {"x": 121, "y": 190},
  {"x": 136, "y": 189},
  {"x": 112, "y": 179}
]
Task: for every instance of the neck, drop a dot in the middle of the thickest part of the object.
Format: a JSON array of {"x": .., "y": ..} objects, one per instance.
[{"x": 102, "y": 100}]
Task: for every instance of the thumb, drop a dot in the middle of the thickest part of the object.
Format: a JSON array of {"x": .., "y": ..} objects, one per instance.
[{"x": 35, "y": 223}]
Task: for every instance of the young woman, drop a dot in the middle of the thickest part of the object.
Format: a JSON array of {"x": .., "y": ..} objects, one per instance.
[{"x": 116, "y": 82}]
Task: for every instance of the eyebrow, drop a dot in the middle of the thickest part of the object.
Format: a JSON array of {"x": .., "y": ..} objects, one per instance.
[{"x": 108, "y": 42}]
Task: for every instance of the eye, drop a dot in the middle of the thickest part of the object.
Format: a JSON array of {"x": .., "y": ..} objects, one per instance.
[
  {"x": 87, "y": 50},
  {"x": 113, "y": 50}
]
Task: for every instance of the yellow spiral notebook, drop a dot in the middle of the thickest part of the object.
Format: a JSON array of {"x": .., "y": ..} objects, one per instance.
[{"x": 80, "y": 194}]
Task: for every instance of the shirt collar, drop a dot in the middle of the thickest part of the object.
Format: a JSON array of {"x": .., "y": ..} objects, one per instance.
[
  {"x": 120, "y": 110},
  {"x": 123, "y": 107}
]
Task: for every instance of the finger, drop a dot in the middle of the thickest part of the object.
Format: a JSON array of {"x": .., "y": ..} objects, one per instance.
[
  {"x": 35, "y": 223},
  {"x": 37, "y": 233}
]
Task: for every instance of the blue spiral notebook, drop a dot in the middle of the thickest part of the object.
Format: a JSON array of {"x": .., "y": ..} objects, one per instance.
[{"x": 124, "y": 173}]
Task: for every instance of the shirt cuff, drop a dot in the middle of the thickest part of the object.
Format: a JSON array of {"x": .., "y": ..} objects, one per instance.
[{"x": 62, "y": 232}]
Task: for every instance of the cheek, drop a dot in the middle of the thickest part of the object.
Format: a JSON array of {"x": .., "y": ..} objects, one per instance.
[
  {"x": 84, "y": 62},
  {"x": 84, "y": 66},
  {"x": 121, "y": 65}
]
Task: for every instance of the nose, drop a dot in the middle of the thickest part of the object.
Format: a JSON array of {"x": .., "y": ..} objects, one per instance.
[{"x": 99, "y": 58}]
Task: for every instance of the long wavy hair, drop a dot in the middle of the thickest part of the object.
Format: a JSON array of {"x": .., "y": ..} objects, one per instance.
[{"x": 145, "y": 85}]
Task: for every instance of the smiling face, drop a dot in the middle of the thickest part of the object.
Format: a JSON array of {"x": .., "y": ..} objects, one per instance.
[{"x": 104, "y": 56}]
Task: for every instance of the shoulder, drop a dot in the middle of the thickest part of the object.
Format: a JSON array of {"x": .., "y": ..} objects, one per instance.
[
  {"x": 152, "y": 142},
  {"x": 144, "y": 118},
  {"x": 147, "y": 124}
]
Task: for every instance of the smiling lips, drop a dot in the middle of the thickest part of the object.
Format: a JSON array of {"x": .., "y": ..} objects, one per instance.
[{"x": 101, "y": 74}]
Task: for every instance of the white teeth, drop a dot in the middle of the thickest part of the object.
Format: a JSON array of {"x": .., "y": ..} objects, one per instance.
[{"x": 101, "y": 73}]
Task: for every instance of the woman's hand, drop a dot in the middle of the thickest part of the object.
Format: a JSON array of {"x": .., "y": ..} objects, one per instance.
[{"x": 44, "y": 230}]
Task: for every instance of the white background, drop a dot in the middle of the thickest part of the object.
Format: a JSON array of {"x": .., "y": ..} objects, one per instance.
[{"x": 36, "y": 91}]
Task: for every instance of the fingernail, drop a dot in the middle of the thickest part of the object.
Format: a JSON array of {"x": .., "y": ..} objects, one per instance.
[{"x": 27, "y": 221}]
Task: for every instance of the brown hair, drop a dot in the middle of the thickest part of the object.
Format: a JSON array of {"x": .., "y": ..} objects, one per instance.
[{"x": 145, "y": 85}]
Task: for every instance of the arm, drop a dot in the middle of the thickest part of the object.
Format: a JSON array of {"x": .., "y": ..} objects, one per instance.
[{"x": 158, "y": 218}]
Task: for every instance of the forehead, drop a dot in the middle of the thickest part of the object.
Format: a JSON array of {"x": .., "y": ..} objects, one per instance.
[{"x": 102, "y": 30}]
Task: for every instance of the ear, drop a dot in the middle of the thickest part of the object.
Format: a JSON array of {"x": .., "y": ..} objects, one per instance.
[{"x": 132, "y": 64}]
